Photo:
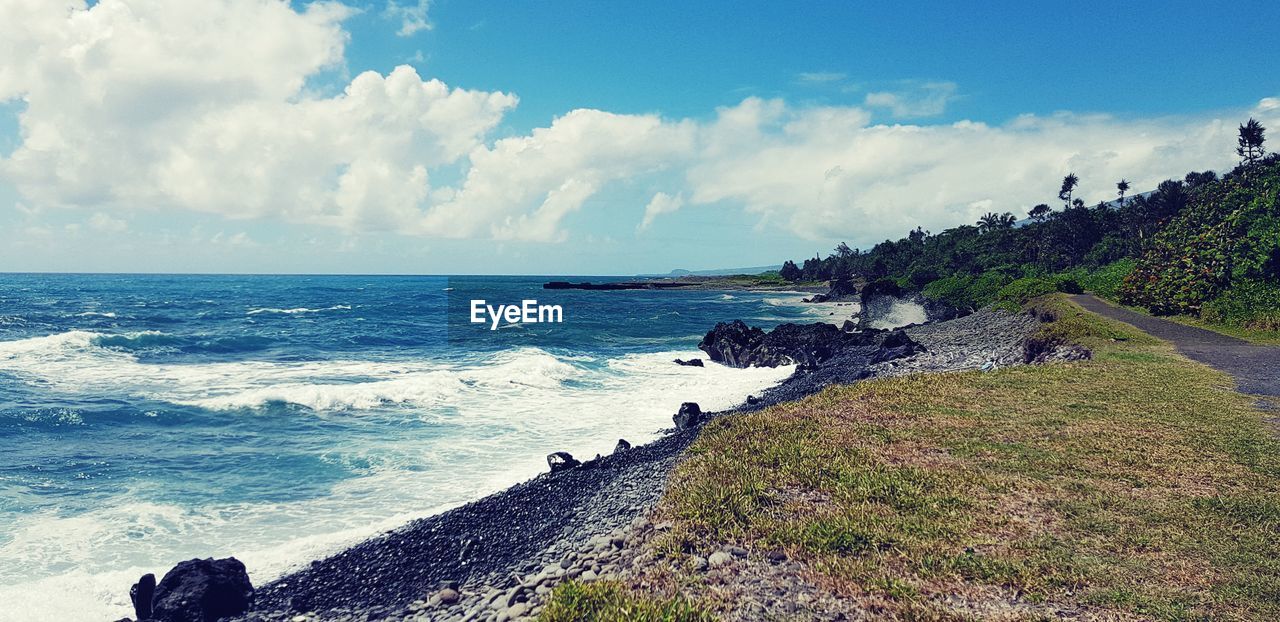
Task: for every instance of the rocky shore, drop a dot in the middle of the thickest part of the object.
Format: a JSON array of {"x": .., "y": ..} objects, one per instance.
[{"x": 497, "y": 558}]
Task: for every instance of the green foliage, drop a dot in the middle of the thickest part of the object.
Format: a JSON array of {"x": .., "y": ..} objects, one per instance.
[
  {"x": 967, "y": 292},
  {"x": 1228, "y": 233},
  {"x": 1247, "y": 304},
  {"x": 1104, "y": 281},
  {"x": 1011, "y": 297}
]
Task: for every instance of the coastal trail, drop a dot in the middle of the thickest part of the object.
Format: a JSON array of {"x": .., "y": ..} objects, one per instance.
[{"x": 1255, "y": 368}]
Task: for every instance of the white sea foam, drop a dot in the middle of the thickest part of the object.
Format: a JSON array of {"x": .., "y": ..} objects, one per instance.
[
  {"x": 296, "y": 310},
  {"x": 502, "y": 415},
  {"x": 901, "y": 313}
]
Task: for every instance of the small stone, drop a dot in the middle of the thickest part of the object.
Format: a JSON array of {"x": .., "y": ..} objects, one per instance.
[
  {"x": 777, "y": 556},
  {"x": 561, "y": 461},
  {"x": 622, "y": 445},
  {"x": 588, "y": 576},
  {"x": 719, "y": 558},
  {"x": 447, "y": 596},
  {"x": 737, "y": 551},
  {"x": 566, "y": 563},
  {"x": 516, "y": 610},
  {"x": 299, "y": 619},
  {"x": 699, "y": 563}
]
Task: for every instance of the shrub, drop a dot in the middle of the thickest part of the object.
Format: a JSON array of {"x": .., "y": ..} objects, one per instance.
[
  {"x": 1011, "y": 297},
  {"x": 1106, "y": 281},
  {"x": 1248, "y": 304}
]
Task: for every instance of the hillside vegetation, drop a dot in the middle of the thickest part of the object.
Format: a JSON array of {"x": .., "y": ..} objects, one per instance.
[{"x": 1204, "y": 247}]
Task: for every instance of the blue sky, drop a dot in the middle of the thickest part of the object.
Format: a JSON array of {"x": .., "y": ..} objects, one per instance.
[{"x": 724, "y": 134}]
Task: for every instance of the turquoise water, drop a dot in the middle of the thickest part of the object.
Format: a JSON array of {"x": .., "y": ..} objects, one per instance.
[{"x": 150, "y": 419}]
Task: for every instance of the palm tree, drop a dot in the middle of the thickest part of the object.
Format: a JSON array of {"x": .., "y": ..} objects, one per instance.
[
  {"x": 1069, "y": 184},
  {"x": 1249, "y": 145},
  {"x": 988, "y": 223},
  {"x": 1007, "y": 220},
  {"x": 1123, "y": 187},
  {"x": 1039, "y": 213}
]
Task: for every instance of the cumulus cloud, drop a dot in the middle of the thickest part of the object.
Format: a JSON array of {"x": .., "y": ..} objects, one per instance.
[
  {"x": 924, "y": 100},
  {"x": 152, "y": 105},
  {"x": 828, "y": 173},
  {"x": 413, "y": 17},
  {"x": 661, "y": 203}
]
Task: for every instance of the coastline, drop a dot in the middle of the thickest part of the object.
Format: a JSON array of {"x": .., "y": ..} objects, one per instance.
[{"x": 497, "y": 545}]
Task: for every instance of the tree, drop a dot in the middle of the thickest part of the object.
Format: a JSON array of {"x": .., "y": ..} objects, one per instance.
[
  {"x": 1249, "y": 144},
  {"x": 1069, "y": 184},
  {"x": 1122, "y": 186},
  {"x": 1039, "y": 213},
  {"x": 1195, "y": 180},
  {"x": 1007, "y": 220},
  {"x": 988, "y": 223},
  {"x": 789, "y": 271}
]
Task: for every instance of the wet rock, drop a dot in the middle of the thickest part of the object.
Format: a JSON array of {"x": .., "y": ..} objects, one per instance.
[
  {"x": 690, "y": 362},
  {"x": 561, "y": 461},
  {"x": 737, "y": 345},
  {"x": 689, "y": 416},
  {"x": 202, "y": 590},
  {"x": 751, "y": 399},
  {"x": 622, "y": 445},
  {"x": 141, "y": 594}
]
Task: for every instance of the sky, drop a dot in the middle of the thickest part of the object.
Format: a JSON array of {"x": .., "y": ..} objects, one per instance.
[{"x": 469, "y": 137}]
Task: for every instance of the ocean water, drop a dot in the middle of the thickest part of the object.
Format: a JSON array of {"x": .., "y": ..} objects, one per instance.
[{"x": 147, "y": 419}]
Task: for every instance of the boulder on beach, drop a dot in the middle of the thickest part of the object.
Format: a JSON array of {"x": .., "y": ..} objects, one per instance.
[
  {"x": 202, "y": 590},
  {"x": 690, "y": 362},
  {"x": 689, "y": 416},
  {"x": 561, "y": 461},
  {"x": 141, "y": 594},
  {"x": 737, "y": 345},
  {"x": 622, "y": 445}
]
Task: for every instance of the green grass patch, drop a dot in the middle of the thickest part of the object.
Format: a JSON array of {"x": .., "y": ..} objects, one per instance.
[
  {"x": 1134, "y": 484},
  {"x": 609, "y": 601}
]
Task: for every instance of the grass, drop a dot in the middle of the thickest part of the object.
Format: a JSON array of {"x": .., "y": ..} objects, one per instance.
[
  {"x": 1136, "y": 485},
  {"x": 609, "y": 601},
  {"x": 1133, "y": 485}
]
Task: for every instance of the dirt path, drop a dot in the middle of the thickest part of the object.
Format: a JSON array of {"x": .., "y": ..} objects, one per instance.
[{"x": 1255, "y": 368}]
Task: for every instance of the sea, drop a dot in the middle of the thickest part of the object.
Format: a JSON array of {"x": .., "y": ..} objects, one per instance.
[{"x": 149, "y": 419}]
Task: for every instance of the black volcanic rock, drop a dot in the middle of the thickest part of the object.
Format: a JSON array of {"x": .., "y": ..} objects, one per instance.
[
  {"x": 561, "y": 461},
  {"x": 690, "y": 415},
  {"x": 737, "y": 345},
  {"x": 202, "y": 590},
  {"x": 690, "y": 362},
  {"x": 141, "y": 594}
]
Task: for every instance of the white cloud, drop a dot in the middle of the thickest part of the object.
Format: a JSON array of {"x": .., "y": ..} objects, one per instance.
[
  {"x": 661, "y": 203},
  {"x": 155, "y": 105},
  {"x": 827, "y": 173},
  {"x": 413, "y": 16},
  {"x": 522, "y": 187},
  {"x": 107, "y": 224},
  {"x": 925, "y": 100}
]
